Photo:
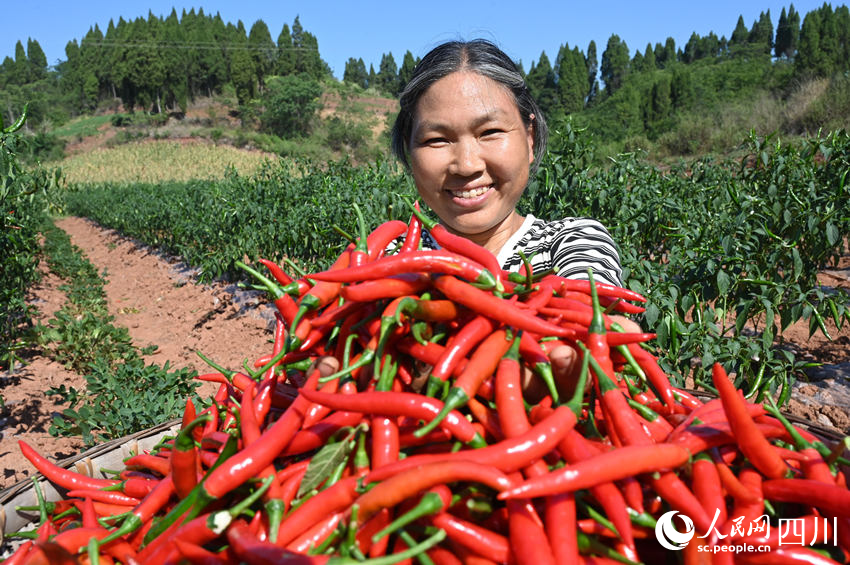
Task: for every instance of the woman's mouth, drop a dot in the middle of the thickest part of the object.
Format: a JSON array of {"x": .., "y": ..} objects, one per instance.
[{"x": 471, "y": 193}]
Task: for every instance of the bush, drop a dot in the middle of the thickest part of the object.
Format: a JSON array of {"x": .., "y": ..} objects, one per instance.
[{"x": 291, "y": 103}]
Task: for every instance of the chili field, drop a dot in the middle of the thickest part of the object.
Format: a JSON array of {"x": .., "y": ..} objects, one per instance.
[{"x": 727, "y": 251}]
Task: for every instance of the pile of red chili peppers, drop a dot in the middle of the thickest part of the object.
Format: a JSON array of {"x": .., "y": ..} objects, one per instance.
[{"x": 422, "y": 447}]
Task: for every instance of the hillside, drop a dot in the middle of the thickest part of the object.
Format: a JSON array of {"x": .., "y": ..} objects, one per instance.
[{"x": 210, "y": 136}]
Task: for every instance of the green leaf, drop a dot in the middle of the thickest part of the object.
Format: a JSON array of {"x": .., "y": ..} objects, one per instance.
[
  {"x": 328, "y": 458},
  {"x": 723, "y": 282},
  {"x": 832, "y": 233}
]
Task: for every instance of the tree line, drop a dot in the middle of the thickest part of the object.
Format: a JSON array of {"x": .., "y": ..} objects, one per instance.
[{"x": 160, "y": 64}]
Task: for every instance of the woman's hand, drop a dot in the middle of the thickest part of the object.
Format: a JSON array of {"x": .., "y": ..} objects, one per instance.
[{"x": 566, "y": 366}]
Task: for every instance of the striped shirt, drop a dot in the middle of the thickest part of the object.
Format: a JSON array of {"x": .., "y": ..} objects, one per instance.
[{"x": 568, "y": 246}]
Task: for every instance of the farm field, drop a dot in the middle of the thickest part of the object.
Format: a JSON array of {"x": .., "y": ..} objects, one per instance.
[{"x": 750, "y": 301}]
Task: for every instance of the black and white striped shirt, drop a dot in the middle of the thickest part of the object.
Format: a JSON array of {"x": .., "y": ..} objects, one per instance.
[{"x": 568, "y": 246}]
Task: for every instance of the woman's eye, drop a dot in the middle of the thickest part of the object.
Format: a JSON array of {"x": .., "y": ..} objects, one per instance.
[
  {"x": 491, "y": 131},
  {"x": 434, "y": 141}
]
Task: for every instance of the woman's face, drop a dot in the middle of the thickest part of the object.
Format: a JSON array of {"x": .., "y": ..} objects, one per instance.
[{"x": 470, "y": 154}]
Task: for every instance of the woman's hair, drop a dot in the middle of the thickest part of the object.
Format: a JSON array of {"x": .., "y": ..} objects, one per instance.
[{"x": 478, "y": 56}]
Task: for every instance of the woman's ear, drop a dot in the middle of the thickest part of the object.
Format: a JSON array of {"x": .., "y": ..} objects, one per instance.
[{"x": 532, "y": 125}]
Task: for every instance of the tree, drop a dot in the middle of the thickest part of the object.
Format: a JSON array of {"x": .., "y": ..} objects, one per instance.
[
  {"x": 761, "y": 34},
  {"x": 811, "y": 56},
  {"x": 571, "y": 72},
  {"x": 665, "y": 54},
  {"x": 285, "y": 54},
  {"x": 290, "y": 104},
  {"x": 387, "y": 79},
  {"x": 37, "y": 61},
  {"x": 592, "y": 64},
  {"x": 355, "y": 73},
  {"x": 263, "y": 51},
  {"x": 649, "y": 58},
  {"x": 708, "y": 46},
  {"x": 615, "y": 64},
  {"x": 22, "y": 66},
  {"x": 306, "y": 48},
  {"x": 741, "y": 34},
  {"x": 681, "y": 87},
  {"x": 690, "y": 54},
  {"x": 405, "y": 73},
  {"x": 242, "y": 73},
  {"x": 541, "y": 82}
]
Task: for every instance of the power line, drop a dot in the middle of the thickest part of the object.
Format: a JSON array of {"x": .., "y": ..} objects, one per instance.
[{"x": 203, "y": 45}]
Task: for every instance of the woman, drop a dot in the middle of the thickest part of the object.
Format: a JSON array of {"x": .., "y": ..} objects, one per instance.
[{"x": 470, "y": 133}]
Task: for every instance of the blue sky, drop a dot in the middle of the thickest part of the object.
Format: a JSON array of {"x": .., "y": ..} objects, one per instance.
[{"x": 370, "y": 28}]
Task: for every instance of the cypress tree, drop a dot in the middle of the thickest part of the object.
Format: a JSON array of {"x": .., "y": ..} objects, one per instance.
[
  {"x": 285, "y": 54},
  {"x": 615, "y": 63},
  {"x": 592, "y": 64},
  {"x": 541, "y": 82},
  {"x": 571, "y": 73},
  {"x": 690, "y": 53},
  {"x": 406, "y": 70},
  {"x": 22, "y": 66},
  {"x": 37, "y": 60},
  {"x": 242, "y": 73},
  {"x": 761, "y": 34},
  {"x": 649, "y": 58},
  {"x": 387, "y": 79},
  {"x": 355, "y": 73},
  {"x": 741, "y": 34},
  {"x": 782, "y": 42},
  {"x": 794, "y": 30},
  {"x": 263, "y": 50}
]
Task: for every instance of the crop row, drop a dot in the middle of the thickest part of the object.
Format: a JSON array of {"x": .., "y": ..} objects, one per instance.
[{"x": 723, "y": 249}]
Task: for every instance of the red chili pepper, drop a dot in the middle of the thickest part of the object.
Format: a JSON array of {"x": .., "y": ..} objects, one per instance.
[
  {"x": 528, "y": 539},
  {"x": 336, "y": 498},
  {"x": 508, "y": 455},
  {"x": 574, "y": 448},
  {"x": 708, "y": 487},
  {"x": 425, "y": 261},
  {"x": 388, "y": 403},
  {"x": 481, "y": 365},
  {"x": 380, "y": 238},
  {"x": 468, "y": 248},
  {"x": 184, "y": 458},
  {"x": 474, "y": 537},
  {"x": 389, "y": 287},
  {"x": 829, "y": 498},
  {"x": 561, "y": 526},
  {"x": 108, "y": 496},
  {"x": 414, "y": 232},
  {"x": 407, "y": 483},
  {"x": 747, "y": 434},
  {"x": 486, "y": 303},
  {"x": 611, "y": 466},
  {"x": 562, "y": 284},
  {"x": 460, "y": 345},
  {"x": 59, "y": 476},
  {"x": 314, "y": 536}
]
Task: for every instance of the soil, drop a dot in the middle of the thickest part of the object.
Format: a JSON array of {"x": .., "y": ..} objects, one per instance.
[{"x": 155, "y": 297}]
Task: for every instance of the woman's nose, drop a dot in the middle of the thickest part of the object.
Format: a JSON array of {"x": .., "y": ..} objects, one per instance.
[{"x": 467, "y": 159}]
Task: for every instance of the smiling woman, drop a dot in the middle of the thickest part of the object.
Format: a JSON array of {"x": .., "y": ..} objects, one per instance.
[{"x": 471, "y": 135}]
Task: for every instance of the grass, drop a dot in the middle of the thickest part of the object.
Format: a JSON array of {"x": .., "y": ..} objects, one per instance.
[
  {"x": 85, "y": 126},
  {"x": 161, "y": 161}
]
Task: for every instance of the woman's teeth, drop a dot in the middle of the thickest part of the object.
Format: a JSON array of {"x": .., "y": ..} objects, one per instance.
[{"x": 471, "y": 193}]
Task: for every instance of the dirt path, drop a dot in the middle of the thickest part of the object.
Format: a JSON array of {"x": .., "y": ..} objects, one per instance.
[{"x": 160, "y": 305}]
